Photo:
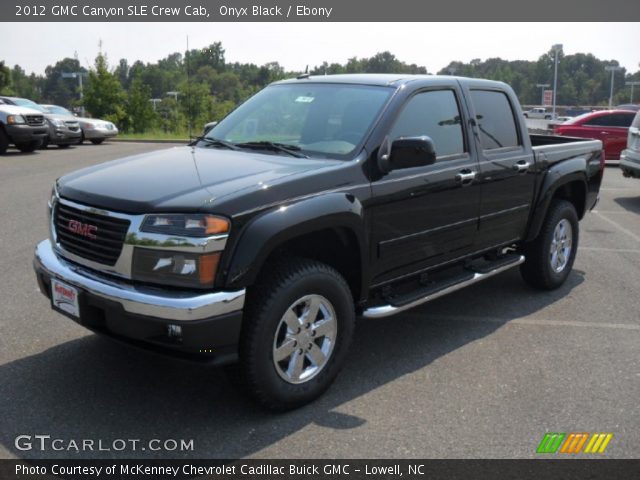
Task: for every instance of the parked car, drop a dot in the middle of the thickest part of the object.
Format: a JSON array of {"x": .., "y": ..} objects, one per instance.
[
  {"x": 317, "y": 200},
  {"x": 92, "y": 129},
  {"x": 63, "y": 129},
  {"x": 609, "y": 126},
  {"x": 23, "y": 127},
  {"x": 538, "y": 112},
  {"x": 630, "y": 158}
]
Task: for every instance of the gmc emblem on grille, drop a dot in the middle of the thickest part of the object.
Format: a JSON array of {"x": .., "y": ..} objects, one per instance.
[{"x": 83, "y": 229}]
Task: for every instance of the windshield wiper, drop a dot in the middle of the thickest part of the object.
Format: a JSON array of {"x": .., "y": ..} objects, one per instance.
[
  {"x": 292, "y": 150},
  {"x": 215, "y": 142}
]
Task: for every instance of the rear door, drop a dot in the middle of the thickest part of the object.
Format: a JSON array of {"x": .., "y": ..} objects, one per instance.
[
  {"x": 426, "y": 215},
  {"x": 506, "y": 176},
  {"x": 612, "y": 129}
]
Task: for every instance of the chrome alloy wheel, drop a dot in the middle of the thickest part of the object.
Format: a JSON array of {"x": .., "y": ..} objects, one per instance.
[
  {"x": 304, "y": 339},
  {"x": 561, "y": 245}
]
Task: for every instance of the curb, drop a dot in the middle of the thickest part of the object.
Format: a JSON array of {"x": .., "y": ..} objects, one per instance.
[{"x": 142, "y": 140}]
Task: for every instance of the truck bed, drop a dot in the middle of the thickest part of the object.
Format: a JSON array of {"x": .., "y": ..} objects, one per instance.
[{"x": 557, "y": 148}]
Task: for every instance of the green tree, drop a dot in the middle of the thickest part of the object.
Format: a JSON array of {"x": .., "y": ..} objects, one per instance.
[
  {"x": 104, "y": 96},
  {"x": 59, "y": 90},
  {"x": 5, "y": 78},
  {"x": 141, "y": 113}
]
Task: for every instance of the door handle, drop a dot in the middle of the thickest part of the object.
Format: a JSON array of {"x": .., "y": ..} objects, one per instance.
[
  {"x": 522, "y": 166},
  {"x": 604, "y": 133},
  {"x": 466, "y": 177}
]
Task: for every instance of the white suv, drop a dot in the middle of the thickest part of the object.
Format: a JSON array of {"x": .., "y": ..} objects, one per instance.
[{"x": 630, "y": 158}]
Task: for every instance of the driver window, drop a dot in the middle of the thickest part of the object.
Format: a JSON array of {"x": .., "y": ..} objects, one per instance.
[{"x": 436, "y": 115}]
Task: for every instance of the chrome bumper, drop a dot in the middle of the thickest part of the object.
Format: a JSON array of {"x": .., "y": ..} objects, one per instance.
[{"x": 153, "y": 302}]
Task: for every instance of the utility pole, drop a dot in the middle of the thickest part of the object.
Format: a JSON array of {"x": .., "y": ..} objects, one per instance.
[
  {"x": 613, "y": 69},
  {"x": 542, "y": 86},
  {"x": 632, "y": 84},
  {"x": 556, "y": 48}
]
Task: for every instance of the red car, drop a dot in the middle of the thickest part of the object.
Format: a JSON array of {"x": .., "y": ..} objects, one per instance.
[{"x": 610, "y": 126}]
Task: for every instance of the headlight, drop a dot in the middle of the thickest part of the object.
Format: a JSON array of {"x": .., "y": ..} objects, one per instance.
[
  {"x": 180, "y": 269},
  {"x": 56, "y": 122},
  {"x": 186, "y": 225},
  {"x": 16, "y": 120}
]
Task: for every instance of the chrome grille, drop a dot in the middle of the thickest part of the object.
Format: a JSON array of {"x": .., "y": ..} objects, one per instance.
[
  {"x": 36, "y": 120},
  {"x": 103, "y": 245}
]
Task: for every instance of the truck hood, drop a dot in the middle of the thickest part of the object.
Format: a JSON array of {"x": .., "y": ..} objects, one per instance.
[{"x": 179, "y": 179}]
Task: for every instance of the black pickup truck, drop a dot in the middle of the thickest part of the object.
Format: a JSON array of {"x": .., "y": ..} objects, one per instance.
[{"x": 317, "y": 201}]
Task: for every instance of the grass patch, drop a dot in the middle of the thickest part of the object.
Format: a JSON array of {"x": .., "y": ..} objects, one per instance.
[{"x": 155, "y": 135}]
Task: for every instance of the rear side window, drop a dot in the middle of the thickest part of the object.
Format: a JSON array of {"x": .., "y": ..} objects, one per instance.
[
  {"x": 636, "y": 121},
  {"x": 436, "y": 115},
  {"x": 613, "y": 120},
  {"x": 495, "y": 119}
]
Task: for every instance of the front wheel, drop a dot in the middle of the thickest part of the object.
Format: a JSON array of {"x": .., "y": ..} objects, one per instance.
[
  {"x": 549, "y": 258},
  {"x": 97, "y": 141},
  {"x": 28, "y": 147},
  {"x": 4, "y": 141},
  {"x": 297, "y": 328}
]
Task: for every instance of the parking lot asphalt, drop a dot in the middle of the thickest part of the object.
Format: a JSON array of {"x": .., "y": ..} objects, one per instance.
[{"x": 484, "y": 372}]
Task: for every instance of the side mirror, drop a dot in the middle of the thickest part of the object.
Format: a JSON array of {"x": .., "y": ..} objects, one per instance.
[
  {"x": 208, "y": 127},
  {"x": 406, "y": 152}
]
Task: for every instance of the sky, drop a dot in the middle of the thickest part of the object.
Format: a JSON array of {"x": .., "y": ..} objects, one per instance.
[{"x": 296, "y": 45}]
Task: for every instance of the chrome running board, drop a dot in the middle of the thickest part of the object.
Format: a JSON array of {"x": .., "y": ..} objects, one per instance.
[{"x": 387, "y": 310}]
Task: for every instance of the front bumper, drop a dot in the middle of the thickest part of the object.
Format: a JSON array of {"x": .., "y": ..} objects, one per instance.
[
  {"x": 63, "y": 135},
  {"x": 26, "y": 133},
  {"x": 209, "y": 323},
  {"x": 96, "y": 133},
  {"x": 630, "y": 163}
]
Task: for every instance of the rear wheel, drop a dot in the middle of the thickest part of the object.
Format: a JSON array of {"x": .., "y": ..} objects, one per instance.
[
  {"x": 550, "y": 257},
  {"x": 27, "y": 147},
  {"x": 297, "y": 327},
  {"x": 97, "y": 141}
]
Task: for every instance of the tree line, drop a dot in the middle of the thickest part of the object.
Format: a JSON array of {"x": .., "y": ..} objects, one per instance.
[{"x": 201, "y": 85}]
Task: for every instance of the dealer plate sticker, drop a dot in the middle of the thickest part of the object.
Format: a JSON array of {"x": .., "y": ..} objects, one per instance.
[{"x": 65, "y": 298}]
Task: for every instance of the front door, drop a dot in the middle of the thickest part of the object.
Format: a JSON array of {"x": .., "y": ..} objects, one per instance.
[{"x": 423, "y": 216}]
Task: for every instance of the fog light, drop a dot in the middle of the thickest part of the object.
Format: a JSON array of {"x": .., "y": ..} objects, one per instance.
[{"x": 174, "y": 331}]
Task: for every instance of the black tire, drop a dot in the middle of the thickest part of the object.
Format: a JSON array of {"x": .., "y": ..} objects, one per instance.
[
  {"x": 28, "y": 147},
  {"x": 64, "y": 145},
  {"x": 4, "y": 141},
  {"x": 97, "y": 141},
  {"x": 288, "y": 282},
  {"x": 537, "y": 269},
  {"x": 45, "y": 143}
]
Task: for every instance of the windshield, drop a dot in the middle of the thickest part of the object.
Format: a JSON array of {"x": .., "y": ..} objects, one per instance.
[
  {"x": 58, "y": 110},
  {"x": 318, "y": 120},
  {"x": 23, "y": 102}
]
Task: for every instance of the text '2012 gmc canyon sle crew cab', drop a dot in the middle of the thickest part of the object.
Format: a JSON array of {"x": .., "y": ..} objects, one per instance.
[{"x": 317, "y": 201}]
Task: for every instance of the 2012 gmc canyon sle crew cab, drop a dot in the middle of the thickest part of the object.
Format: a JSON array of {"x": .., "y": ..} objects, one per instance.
[{"x": 318, "y": 200}]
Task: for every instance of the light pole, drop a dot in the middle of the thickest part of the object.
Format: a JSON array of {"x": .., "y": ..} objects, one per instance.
[
  {"x": 556, "y": 48},
  {"x": 79, "y": 76},
  {"x": 632, "y": 84},
  {"x": 542, "y": 86},
  {"x": 613, "y": 69}
]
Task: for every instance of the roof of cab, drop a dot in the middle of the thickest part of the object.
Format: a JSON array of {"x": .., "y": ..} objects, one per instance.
[{"x": 381, "y": 79}]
